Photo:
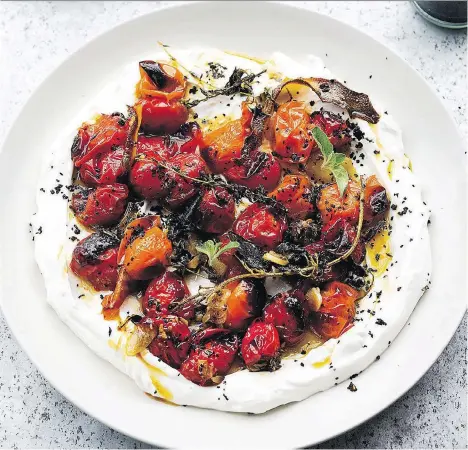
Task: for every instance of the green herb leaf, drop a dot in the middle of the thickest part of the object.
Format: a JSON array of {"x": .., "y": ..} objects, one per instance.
[
  {"x": 215, "y": 249},
  {"x": 332, "y": 161}
]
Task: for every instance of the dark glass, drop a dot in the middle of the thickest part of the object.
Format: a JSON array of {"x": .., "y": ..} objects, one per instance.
[{"x": 444, "y": 14}]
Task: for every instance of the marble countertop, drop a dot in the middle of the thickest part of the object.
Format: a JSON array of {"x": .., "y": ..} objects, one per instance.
[{"x": 35, "y": 37}]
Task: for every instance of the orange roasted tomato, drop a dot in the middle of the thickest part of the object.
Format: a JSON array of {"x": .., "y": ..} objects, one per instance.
[
  {"x": 164, "y": 290},
  {"x": 216, "y": 211},
  {"x": 94, "y": 260},
  {"x": 213, "y": 352},
  {"x": 258, "y": 169},
  {"x": 223, "y": 146},
  {"x": 376, "y": 203},
  {"x": 160, "y": 116},
  {"x": 332, "y": 205},
  {"x": 160, "y": 79},
  {"x": 103, "y": 205},
  {"x": 260, "y": 347},
  {"x": 145, "y": 248},
  {"x": 262, "y": 225},
  {"x": 292, "y": 141},
  {"x": 294, "y": 193},
  {"x": 337, "y": 311}
]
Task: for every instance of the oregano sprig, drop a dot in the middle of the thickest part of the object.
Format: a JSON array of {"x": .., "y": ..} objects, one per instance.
[{"x": 215, "y": 249}]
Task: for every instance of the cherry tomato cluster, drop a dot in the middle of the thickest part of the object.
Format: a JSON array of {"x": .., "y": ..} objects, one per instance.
[{"x": 155, "y": 154}]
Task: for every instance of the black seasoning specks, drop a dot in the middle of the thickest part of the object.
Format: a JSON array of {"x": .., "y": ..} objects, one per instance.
[
  {"x": 379, "y": 321},
  {"x": 110, "y": 331},
  {"x": 352, "y": 387}
]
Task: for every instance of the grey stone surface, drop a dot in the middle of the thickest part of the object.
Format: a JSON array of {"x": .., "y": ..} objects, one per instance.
[{"x": 35, "y": 37}]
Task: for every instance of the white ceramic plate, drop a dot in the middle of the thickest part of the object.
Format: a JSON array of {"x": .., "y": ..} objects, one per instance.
[{"x": 257, "y": 28}]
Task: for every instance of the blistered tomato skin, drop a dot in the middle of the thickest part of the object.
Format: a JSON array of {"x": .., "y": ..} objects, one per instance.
[
  {"x": 94, "y": 260},
  {"x": 333, "y": 126},
  {"x": 162, "y": 291},
  {"x": 332, "y": 205},
  {"x": 160, "y": 116},
  {"x": 260, "y": 347},
  {"x": 376, "y": 203},
  {"x": 285, "y": 311},
  {"x": 102, "y": 206},
  {"x": 210, "y": 359},
  {"x": 216, "y": 211},
  {"x": 261, "y": 225},
  {"x": 293, "y": 141},
  {"x": 148, "y": 178},
  {"x": 294, "y": 193},
  {"x": 259, "y": 169},
  {"x": 172, "y": 343},
  {"x": 337, "y": 311}
]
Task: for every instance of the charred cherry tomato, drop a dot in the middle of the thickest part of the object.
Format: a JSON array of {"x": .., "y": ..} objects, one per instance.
[
  {"x": 162, "y": 291},
  {"x": 160, "y": 79},
  {"x": 182, "y": 189},
  {"x": 103, "y": 205},
  {"x": 261, "y": 225},
  {"x": 159, "y": 116},
  {"x": 210, "y": 359},
  {"x": 94, "y": 259},
  {"x": 172, "y": 342},
  {"x": 260, "y": 347},
  {"x": 258, "y": 169},
  {"x": 148, "y": 178},
  {"x": 216, "y": 211},
  {"x": 376, "y": 203},
  {"x": 286, "y": 312},
  {"x": 99, "y": 138},
  {"x": 294, "y": 193},
  {"x": 332, "y": 205},
  {"x": 145, "y": 248},
  {"x": 333, "y": 126},
  {"x": 337, "y": 311},
  {"x": 293, "y": 141},
  {"x": 106, "y": 168},
  {"x": 223, "y": 146}
]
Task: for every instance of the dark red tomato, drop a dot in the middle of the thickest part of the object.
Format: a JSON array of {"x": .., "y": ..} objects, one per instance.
[
  {"x": 376, "y": 203},
  {"x": 286, "y": 312},
  {"x": 332, "y": 205},
  {"x": 337, "y": 312},
  {"x": 182, "y": 189},
  {"x": 148, "y": 178},
  {"x": 294, "y": 193},
  {"x": 107, "y": 133},
  {"x": 333, "y": 126},
  {"x": 105, "y": 168},
  {"x": 162, "y": 291},
  {"x": 172, "y": 343},
  {"x": 234, "y": 267},
  {"x": 103, "y": 205},
  {"x": 259, "y": 169},
  {"x": 94, "y": 260},
  {"x": 216, "y": 211},
  {"x": 260, "y": 347},
  {"x": 261, "y": 225},
  {"x": 293, "y": 141},
  {"x": 159, "y": 116},
  {"x": 210, "y": 359}
]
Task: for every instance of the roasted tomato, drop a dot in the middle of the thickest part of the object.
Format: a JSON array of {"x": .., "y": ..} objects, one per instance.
[
  {"x": 106, "y": 168},
  {"x": 333, "y": 126},
  {"x": 332, "y": 205},
  {"x": 211, "y": 357},
  {"x": 258, "y": 169},
  {"x": 293, "y": 141},
  {"x": 286, "y": 312},
  {"x": 107, "y": 133},
  {"x": 223, "y": 146},
  {"x": 172, "y": 342},
  {"x": 294, "y": 193},
  {"x": 260, "y": 347},
  {"x": 145, "y": 248},
  {"x": 103, "y": 205},
  {"x": 262, "y": 225},
  {"x": 216, "y": 211},
  {"x": 160, "y": 79},
  {"x": 148, "y": 178},
  {"x": 162, "y": 291},
  {"x": 376, "y": 203},
  {"x": 159, "y": 116},
  {"x": 94, "y": 259},
  {"x": 182, "y": 189},
  {"x": 336, "y": 313}
]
